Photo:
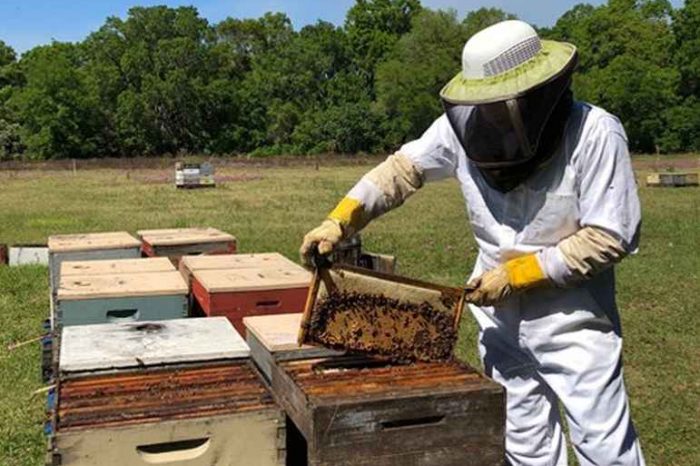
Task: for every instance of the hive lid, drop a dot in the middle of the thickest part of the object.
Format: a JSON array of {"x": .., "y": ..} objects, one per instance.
[
  {"x": 75, "y": 287},
  {"x": 137, "y": 344},
  {"x": 92, "y": 241},
  {"x": 117, "y": 266},
  {"x": 218, "y": 281},
  {"x": 180, "y": 236},
  {"x": 237, "y": 261},
  {"x": 276, "y": 332}
]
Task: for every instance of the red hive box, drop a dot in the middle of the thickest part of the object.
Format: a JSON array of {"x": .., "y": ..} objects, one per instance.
[
  {"x": 177, "y": 242},
  {"x": 250, "y": 292}
]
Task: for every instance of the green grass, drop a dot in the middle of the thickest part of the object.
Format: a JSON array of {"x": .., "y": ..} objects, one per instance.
[{"x": 658, "y": 290}]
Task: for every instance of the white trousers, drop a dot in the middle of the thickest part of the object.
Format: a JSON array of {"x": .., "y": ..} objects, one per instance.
[{"x": 582, "y": 369}]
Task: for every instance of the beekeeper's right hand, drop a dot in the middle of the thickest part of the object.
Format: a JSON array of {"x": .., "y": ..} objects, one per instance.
[{"x": 325, "y": 238}]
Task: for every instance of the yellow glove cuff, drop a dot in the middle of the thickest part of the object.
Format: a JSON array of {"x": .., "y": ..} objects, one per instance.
[
  {"x": 350, "y": 214},
  {"x": 525, "y": 272}
]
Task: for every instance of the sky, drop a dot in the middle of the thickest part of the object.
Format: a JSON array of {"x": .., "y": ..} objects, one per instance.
[{"x": 27, "y": 23}]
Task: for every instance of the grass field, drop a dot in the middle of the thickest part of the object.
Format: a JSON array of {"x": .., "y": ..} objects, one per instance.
[{"x": 269, "y": 209}]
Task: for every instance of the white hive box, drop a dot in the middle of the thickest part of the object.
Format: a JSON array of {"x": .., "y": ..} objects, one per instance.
[
  {"x": 25, "y": 254},
  {"x": 96, "y": 299},
  {"x": 87, "y": 349},
  {"x": 273, "y": 338},
  {"x": 89, "y": 246},
  {"x": 116, "y": 266}
]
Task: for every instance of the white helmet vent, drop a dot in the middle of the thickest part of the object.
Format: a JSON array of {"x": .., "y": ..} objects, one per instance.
[{"x": 514, "y": 56}]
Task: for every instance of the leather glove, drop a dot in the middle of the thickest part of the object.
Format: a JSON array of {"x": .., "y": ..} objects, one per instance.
[
  {"x": 514, "y": 276},
  {"x": 324, "y": 238}
]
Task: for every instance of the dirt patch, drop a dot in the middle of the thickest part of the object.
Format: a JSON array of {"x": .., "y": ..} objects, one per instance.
[{"x": 378, "y": 325}]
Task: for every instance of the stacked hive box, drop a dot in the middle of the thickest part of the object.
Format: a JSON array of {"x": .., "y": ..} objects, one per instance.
[
  {"x": 242, "y": 292},
  {"x": 266, "y": 260},
  {"x": 178, "y": 391},
  {"x": 177, "y": 242},
  {"x": 673, "y": 179},
  {"x": 194, "y": 175},
  {"x": 116, "y": 267},
  {"x": 89, "y": 246},
  {"x": 349, "y": 410},
  {"x": 94, "y": 299},
  {"x": 84, "y": 272}
]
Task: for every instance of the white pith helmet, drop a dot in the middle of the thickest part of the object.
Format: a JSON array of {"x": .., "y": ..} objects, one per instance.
[
  {"x": 499, "y": 48},
  {"x": 504, "y": 61}
]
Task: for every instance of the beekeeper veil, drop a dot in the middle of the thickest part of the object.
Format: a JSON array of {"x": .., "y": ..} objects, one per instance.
[{"x": 510, "y": 103}]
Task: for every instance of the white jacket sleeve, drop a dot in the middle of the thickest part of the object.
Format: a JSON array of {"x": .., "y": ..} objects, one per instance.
[
  {"x": 431, "y": 157},
  {"x": 609, "y": 209}
]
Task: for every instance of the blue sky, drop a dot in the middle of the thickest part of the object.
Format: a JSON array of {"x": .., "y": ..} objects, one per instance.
[{"x": 26, "y": 23}]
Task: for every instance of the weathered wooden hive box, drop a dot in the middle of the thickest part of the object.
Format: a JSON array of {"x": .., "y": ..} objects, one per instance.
[
  {"x": 253, "y": 291},
  {"x": 266, "y": 260},
  {"x": 171, "y": 392},
  {"x": 96, "y": 299},
  {"x": 177, "y": 242},
  {"x": 354, "y": 411},
  {"x": 273, "y": 338},
  {"x": 89, "y": 246},
  {"x": 117, "y": 266}
]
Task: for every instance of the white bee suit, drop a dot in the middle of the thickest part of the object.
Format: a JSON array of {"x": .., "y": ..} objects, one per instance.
[{"x": 559, "y": 343}]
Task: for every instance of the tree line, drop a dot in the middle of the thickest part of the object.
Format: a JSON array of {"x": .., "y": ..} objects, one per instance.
[{"x": 166, "y": 81}]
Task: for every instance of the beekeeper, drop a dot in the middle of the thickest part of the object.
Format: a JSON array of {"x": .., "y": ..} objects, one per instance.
[{"x": 553, "y": 205}]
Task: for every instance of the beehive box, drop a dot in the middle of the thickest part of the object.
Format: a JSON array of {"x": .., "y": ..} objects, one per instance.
[
  {"x": 180, "y": 391},
  {"x": 266, "y": 260},
  {"x": 350, "y": 308},
  {"x": 247, "y": 292},
  {"x": 273, "y": 338},
  {"x": 360, "y": 412},
  {"x": 91, "y": 349},
  {"x": 194, "y": 175},
  {"x": 25, "y": 254},
  {"x": 382, "y": 263},
  {"x": 673, "y": 179},
  {"x": 218, "y": 415},
  {"x": 96, "y": 299},
  {"x": 89, "y": 246},
  {"x": 116, "y": 266},
  {"x": 177, "y": 242}
]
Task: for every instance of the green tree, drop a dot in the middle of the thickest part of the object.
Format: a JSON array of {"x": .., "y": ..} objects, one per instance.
[
  {"x": 292, "y": 83},
  {"x": 157, "y": 77},
  {"x": 373, "y": 27},
  {"x": 686, "y": 28},
  {"x": 422, "y": 62},
  {"x": 59, "y": 115},
  {"x": 625, "y": 63}
]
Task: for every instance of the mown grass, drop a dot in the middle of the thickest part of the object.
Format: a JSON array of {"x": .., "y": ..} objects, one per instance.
[{"x": 659, "y": 289}]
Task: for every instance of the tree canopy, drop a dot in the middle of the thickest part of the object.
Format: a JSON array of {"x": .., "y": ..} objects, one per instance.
[{"x": 164, "y": 80}]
